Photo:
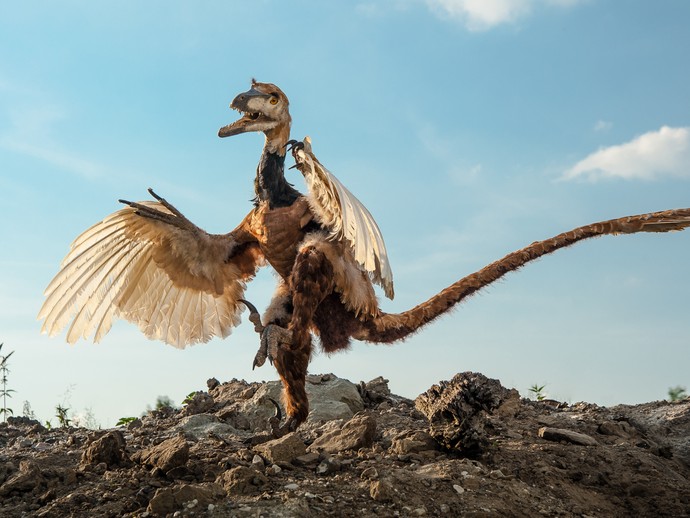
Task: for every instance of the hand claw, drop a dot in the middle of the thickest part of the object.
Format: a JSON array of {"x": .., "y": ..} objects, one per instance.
[{"x": 294, "y": 145}]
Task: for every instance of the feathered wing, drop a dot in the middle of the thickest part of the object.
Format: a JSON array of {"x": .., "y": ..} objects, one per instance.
[
  {"x": 346, "y": 217},
  {"x": 174, "y": 282}
]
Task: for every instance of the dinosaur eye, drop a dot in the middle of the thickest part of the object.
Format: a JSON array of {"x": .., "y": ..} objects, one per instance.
[{"x": 274, "y": 100}]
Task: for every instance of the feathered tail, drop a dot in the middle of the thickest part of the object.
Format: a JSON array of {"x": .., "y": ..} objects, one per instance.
[{"x": 388, "y": 327}]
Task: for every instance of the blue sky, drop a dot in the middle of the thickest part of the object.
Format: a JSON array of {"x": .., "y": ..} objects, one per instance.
[{"x": 469, "y": 129}]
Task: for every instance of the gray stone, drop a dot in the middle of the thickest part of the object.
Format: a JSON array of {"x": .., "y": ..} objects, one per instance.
[
  {"x": 325, "y": 391},
  {"x": 357, "y": 433},
  {"x": 169, "y": 454},
  {"x": 200, "y": 426},
  {"x": 283, "y": 450}
]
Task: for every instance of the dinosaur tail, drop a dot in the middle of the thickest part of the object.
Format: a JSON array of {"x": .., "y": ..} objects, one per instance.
[{"x": 389, "y": 327}]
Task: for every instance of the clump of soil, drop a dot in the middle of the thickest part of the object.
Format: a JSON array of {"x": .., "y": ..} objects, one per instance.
[{"x": 466, "y": 447}]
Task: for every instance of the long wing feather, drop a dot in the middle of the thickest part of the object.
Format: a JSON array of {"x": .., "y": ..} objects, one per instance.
[
  {"x": 346, "y": 217},
  {"x": 175, "y": 282}
]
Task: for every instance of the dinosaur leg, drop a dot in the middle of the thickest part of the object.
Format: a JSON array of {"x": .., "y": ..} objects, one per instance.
[{"x": 310, "y": 282}]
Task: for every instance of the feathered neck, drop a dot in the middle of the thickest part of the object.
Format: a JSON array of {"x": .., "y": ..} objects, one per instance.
[{"x": 270, "y": 184}]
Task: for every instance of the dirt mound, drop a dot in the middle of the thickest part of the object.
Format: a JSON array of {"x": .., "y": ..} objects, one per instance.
[{"x": 466, "y": 447}]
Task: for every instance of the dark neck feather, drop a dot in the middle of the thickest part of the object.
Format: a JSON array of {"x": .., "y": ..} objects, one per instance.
[{"x": 270, "y": 184}]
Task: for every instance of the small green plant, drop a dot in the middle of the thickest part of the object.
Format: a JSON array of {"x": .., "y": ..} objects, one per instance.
[
  {"x": 4, "y": 391},
  {"x": 538, "y": 392},
  {"x": 123, "y": 421},
  {"x": 677, "y": 393},
  {"x": 188, "y": 398},
  {"x": 61, "y": 414}
]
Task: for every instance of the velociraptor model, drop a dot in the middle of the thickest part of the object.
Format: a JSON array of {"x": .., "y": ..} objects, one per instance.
[{"x": 150, "y": 265}]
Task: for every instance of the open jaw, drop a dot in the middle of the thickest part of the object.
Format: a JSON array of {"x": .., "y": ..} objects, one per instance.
[{"x": 249, "y": 121}]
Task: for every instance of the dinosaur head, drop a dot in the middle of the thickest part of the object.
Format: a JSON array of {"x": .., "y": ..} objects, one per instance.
[{"x": 264, "y": 107}]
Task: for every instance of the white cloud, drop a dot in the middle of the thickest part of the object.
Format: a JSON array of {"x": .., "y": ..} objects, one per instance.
[
  {"x": 480, "y": 15},
  {"x": 665, "y": 152}
]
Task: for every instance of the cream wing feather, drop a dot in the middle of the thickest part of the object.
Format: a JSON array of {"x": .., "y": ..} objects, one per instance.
[
  {"x": 175, "y": 283},
  {"x": 346, "y": 217}
]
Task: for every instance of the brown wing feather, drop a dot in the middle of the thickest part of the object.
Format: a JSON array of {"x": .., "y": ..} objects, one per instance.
[{"x": 178, "y": 284}]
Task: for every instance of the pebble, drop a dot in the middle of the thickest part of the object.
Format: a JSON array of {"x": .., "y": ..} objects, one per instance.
[
  {"x": 257, "y": 462},
  {"x": 275, "y": 469},
  {"x": 291, "y": 487},
  {"x": 460, "y": 490}
]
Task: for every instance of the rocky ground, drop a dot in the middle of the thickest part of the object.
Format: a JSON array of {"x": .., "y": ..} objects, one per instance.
[{"x": 466, "y": 447}]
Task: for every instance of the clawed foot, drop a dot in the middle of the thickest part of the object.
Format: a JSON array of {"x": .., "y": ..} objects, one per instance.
[
  {"x": 273, "y": 337},
  {"x": 277, "y": 431},
  {"x": 175, "y": 217}
]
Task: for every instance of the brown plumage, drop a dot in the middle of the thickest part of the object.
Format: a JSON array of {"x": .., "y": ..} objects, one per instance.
[{"x": 148, "y": 264}]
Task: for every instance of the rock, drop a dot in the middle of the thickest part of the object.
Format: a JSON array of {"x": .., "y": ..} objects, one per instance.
[
  {"x": 413, "y": 441},
  {"x": 200, "y": 426},
  {"x": 357, "y": 433},
  {"x": 459, "y": 409},
  {"x": 616, "y": 429},
  {"x": 200, "y": 403},
  {"x": 307, "y": 459},
  {"x": 561, "y": 434},
  {"x": 382, "y": 490},
  {"x": 26, "y": 479},
  {"x": 328, "y": 410},
  {"x": 166, "y": 500},
  {"x": 375, "y": 391},
  {"x": 328, "y": 466},
  {"x": 242, "y": 481},
  {"x": 169, "y": 454},
  {"x": 108, "y": 449},
  {"x": 639, "y": 467},
  {"x": 283, "y": 450},
  {"x": 331, "y": 397},
  {"x": 258, "y": 463},
  {"x": 212, "y": 383},
  {"x": 7, "y": 468}
]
